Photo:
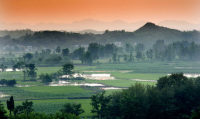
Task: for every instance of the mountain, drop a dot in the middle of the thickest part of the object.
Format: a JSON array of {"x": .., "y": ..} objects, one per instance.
[
  {"x": 75, "y": 26},
  {"x": 151, "y": 32},
  {"x": 98, "y": 25},
  {"x": 180, "y": 25},
  {"x": 148, "y": 34}
]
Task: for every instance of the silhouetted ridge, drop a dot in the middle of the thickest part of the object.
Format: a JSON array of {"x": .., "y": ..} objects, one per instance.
[
  {"x": 153, "y": 28},
  {"x": 149, "y": 24}
]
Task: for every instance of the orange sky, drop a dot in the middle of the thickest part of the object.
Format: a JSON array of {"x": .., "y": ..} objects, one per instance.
[{"x": 67, "y": 11}]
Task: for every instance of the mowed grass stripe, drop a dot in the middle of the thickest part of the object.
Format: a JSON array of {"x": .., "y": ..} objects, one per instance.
[{"x": 56, "y": 89}]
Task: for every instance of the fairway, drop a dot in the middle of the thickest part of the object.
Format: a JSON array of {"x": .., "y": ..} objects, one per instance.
[{"x": 56, "y": 89}]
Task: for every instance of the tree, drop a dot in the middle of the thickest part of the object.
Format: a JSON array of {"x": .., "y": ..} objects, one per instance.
[
  {"x": 133, "y": 102},
  {"x": 65, "y": 52},
  {"x": 151, "y": 54},
  {"x": 77, "y": 53},
  {"x": 87, "y": 58},
  {"x": 172, "y": 80},
  {"x": 3, "y": 67},
  {"x": 46, "y": 78},
  {"x": 68, "y": 69},
  {"x": 98, "y": 63},
  {"x": 48, "y": 51},
  {"x": 129, "y": 48},
  {"x": 2, "y": 82},
  {"x": 11, "y": 104},
  {"x": 195, "y": 115},
  {"x": 58, "y": 50},
  {"x": 26, "y": 107},
  {"x": 139, "y": 56},
  {"x": 139, "y": 47},
  {"x": 22, "y": 66},
  {"x": 148, "y": 55},
  {"x": 118, "y": 59},
  {"x": 131, "y": 57},
  {"x": 114, "y": 58},
  {"x": 14, "y": 67},
  {"x": 125, "y": 57},
  {"x": 72, "y": 108},
  {"x": 99, "y": 104},
  {"x": 93, "y": 48},
  {"x": 31, "y": 71},
  {"x": 2, "y": 112},
  {"x": 40, "y": 59},
  {"x": 28, "y": 56},
  {"x": 10, "y": 82},
  {"x": 3, "y": 59},
  {"x": 109, "y": 49}
]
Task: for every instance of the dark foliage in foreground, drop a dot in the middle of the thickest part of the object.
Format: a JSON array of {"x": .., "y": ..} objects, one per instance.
[{"x": 174, "y": 97}]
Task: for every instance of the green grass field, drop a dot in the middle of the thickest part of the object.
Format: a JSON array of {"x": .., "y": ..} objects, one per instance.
[
  {"x": 110, "y": 91},
  {"x": 135, "y": 70},
  {"x": 120, "y": 83},
  {"x": 56, "y": 89},
  {"x": 147, "y": 76},
  {"x": 53, "y": 105}
]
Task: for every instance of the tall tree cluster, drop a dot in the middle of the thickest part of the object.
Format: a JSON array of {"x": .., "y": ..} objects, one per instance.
[{"x": 173, "y": 97}]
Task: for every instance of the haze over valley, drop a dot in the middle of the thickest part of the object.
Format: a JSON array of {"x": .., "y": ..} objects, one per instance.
[{"x": 99, "y": 59}]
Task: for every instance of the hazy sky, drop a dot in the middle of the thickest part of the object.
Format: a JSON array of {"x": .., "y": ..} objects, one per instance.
[{"x": 67, "y": 11}]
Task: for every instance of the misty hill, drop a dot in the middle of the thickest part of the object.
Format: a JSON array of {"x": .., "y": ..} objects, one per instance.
[
  {"x": 15, "y": 33},
  {"x": 75, "y": 26},
  {"x": 180, "y": 25},
  {"x": 97, "y": 25},
  {"x": 147, "y": 34},
  {"x": 89, "y": 31}
]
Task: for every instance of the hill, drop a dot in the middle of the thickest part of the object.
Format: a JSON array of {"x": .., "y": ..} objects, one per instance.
[
  {"x": 147, "y": 34},
  {"x": 151, "y": 32}
]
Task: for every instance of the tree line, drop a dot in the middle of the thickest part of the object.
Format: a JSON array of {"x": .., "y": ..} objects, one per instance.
[{"x": 147, "y": 34}]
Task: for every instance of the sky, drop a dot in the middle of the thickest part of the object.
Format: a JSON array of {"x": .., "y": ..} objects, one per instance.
[{"x": 68, "y": 11}]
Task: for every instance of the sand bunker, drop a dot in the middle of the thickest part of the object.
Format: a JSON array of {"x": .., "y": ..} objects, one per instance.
[{"x": 144, "y": 80}]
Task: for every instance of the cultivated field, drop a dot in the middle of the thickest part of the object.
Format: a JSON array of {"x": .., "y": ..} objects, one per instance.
[{"x": 52, "y": 98}]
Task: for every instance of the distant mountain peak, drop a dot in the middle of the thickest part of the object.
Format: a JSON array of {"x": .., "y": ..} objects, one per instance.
[{"x": 149, "y": 24}]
